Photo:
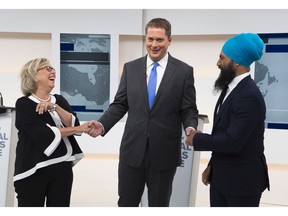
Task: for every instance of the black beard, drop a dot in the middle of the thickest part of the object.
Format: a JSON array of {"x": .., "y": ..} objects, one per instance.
[{"x": 225, "y": 77}]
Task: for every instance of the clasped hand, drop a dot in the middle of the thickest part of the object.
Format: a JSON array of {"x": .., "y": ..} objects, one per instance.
[
  {"x": 96, "y": 128},
  {"x": 190, "y": 133}
]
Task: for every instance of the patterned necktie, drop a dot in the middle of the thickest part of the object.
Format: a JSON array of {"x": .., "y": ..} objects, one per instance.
[{"x": 152, "y": 84}]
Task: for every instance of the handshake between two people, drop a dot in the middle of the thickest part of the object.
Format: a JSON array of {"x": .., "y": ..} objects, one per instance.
[
  {"x": 95, "y": 128},
  {"x": 190, "y": 133},
  {"x": 92, "y": 128}
]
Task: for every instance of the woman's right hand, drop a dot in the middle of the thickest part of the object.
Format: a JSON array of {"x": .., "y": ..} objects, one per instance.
[{"x": 84, "y": 128}]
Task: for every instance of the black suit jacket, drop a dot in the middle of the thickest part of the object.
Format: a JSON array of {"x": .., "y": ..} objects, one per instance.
[
  {"x": 238, "y": 164},
  {"x": 174, "y": 105}
]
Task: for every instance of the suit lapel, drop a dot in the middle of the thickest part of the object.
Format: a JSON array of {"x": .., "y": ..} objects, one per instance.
[
  {"x": 233, "y": 93},
  {"x": 143, "y": 82},
  {"x": 170, "y": 67}
]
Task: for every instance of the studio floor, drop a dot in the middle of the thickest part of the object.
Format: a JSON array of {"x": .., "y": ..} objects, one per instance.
[
  {"x": 95, "y": 191},
  {"x": 95, "y": 184}
]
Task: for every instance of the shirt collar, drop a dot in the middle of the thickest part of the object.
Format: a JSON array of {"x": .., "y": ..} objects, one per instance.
[
  {"x": 161, "y": 62},
  {"x": 236, "y": 80}
]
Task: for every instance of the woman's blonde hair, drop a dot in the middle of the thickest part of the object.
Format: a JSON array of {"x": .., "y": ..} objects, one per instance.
[{"x": 28, "y": 75}]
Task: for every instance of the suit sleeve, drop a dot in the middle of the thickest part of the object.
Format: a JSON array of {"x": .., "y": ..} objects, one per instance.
[
  {"x": 189, "y": 107},
  {"x": 236, "y": 126},
  {"x": 118, "y": 107}
]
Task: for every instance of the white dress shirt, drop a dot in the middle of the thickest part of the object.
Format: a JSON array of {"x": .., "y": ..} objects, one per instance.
[{"x": 160, "y": 69}]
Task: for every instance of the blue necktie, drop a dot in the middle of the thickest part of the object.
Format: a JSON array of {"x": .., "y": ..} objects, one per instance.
[{"x": 152, "y": 84}]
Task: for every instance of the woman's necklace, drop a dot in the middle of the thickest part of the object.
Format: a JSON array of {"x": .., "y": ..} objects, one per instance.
[{"x": 49, "y": 97}]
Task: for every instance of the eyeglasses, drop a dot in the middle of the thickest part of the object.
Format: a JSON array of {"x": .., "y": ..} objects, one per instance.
[{"x": 48, "y": 68}]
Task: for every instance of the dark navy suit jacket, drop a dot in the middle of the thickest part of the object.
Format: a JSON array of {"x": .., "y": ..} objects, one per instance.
[{"x": 238, "y": 164}]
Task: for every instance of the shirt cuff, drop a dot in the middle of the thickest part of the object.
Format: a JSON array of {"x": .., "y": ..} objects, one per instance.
[
  {"x": 103, "y": 129},
  {"x": 190, "y": 128}
]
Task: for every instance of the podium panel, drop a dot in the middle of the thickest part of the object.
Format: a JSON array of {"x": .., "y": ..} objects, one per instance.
[
  {"x": 8, "y": 141},
  {"x": 185, "y": 181}
]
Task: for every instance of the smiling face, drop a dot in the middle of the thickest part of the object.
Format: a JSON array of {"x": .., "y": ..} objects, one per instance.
[
  {"x": 46, "y": 77},
  {"x": 157, "y": 43}
]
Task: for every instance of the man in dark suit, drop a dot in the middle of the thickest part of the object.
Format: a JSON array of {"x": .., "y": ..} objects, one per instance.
[
  {"x": 237, "y": 171},
  {"x": 150, "y": 149}
]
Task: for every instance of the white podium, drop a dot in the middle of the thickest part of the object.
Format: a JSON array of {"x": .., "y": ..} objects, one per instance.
[
  {"x": 185, "y": 181},
  {"x": 8, "y": 141}
]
